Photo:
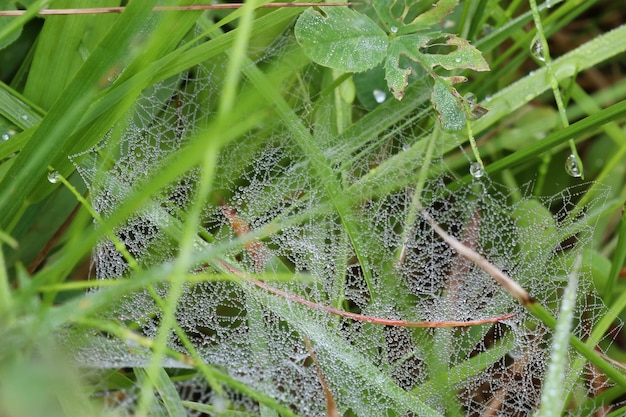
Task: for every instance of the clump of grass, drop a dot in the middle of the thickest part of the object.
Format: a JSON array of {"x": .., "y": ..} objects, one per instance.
[{"x": 267, "y": 229}]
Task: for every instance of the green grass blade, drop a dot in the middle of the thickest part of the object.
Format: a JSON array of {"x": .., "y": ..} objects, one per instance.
[{"x": 51, "y": 138}]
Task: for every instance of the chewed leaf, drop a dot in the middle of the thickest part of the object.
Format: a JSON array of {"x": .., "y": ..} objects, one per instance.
[
  {"x": 465, "y": 56},
  {"x": 409, "y": 16},
  {"x": 396, "y": 76},
  {"x": 448, "y": 106},
  {"x": 341, "y": 38}
]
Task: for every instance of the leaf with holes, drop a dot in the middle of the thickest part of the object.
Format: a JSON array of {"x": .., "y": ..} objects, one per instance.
[
  {"x": 411, "y": 16},
  {"x": 416, "y": 47}
]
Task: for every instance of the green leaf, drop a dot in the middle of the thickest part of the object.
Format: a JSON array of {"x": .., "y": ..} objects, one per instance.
[
  {"x": 4, "y": 21},
  {"x": 409, "y": 16},
  {"x": 397, "y": 77},
  {"x": 341, "y": 38},
  {"x": 63, "y": 46},
  {"x": 448, "y": 105},
  {"x": 465, "y": 56}
]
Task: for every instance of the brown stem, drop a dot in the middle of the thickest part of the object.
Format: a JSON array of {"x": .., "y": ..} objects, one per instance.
[
  {"x": 362, "y": 317},
  {"x": 41, "y": 255},
  {"x": 103, "y": 10}
]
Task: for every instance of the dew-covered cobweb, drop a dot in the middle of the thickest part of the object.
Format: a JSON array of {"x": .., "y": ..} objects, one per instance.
[{"x": 400, "y": 271}]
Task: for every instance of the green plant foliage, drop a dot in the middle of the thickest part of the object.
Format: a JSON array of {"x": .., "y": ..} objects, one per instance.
[
  {"x": 4, "y": 21},
  {"x": 349, "y": 41},
  {"x": 200, "y": 216},
  {"x": 341, "y": 38}
]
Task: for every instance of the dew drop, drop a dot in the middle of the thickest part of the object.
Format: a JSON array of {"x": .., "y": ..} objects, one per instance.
[
  {"x": 573, "y": 166},
  {"x": 393, "y": 29},
  {"x": 24, "y": 117},
  {"x": 548, "y": 3},
  {"x": 379, "y": 95},
  {"x": 8, "y": 134},
  {"x": 54, "y": 177},
  {"x": 536, "y": 48},
  {"x": 457, "y": 60},
  {"x": 477, "y": 170},
  {"x": 476, "y": 110}
]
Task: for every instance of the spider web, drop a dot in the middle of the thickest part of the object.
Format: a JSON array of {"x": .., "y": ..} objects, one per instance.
[{"x": 258, "y": 337}]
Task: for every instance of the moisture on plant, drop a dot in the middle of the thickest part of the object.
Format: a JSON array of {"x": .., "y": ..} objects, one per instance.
[{"x": 391, "y": 208}]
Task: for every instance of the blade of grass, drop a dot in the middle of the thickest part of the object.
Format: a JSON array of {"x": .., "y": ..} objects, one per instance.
[
  {"x": 57, "y": 56},
  {"x": 321, "y": 168},
  {"x": 51, "y": 137},
  {"x": 617, "y": 261},
  {"x": 553, "y": 394},
  {"x": 20, "y": 21},
  {"x": 166, "y": 389},
  {"x": 527, "y": 301},
  {"x": 18, "y": 109}
]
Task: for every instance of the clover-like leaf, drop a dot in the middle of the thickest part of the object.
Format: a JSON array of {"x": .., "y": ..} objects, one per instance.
[
  {"x": 347, "y": 40},
  {"x": 341, "y": 38}
]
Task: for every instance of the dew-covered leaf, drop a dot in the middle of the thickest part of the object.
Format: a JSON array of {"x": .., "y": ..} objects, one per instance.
[
  {"x": 341, "y": 38},
  {"x": 445, "y": 98},
  {"x": 396, "y": 75},
  {"x": 410, "y": 16},
  {"x": 448, "y": 105},
  {"x": 465, "y": 56}
]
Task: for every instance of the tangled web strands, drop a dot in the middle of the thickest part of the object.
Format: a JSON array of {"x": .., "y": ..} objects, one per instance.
[{"x": 259, "y": 338}]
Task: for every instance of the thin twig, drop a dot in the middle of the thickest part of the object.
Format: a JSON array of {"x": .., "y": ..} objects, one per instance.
[
  {"x": 41, "y": 255},
  {"x": 241, "y": 228},
  {"x": 196, "y": 7},
  {"x": 362, "y": 317},
  {"x": 331, "y": 405},
  {"x": 501, "y": 278}
]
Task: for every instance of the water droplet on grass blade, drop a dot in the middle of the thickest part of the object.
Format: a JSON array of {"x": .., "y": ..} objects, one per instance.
[
  {"x": 477, "y": 170},
  {"x": 379, "y": 95},
  {"x": 54, "y": 177},
  {"x": 536, "y": 48},
  {"x": 393, "y": 29},
  {"x": 573, "y": 166}
]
